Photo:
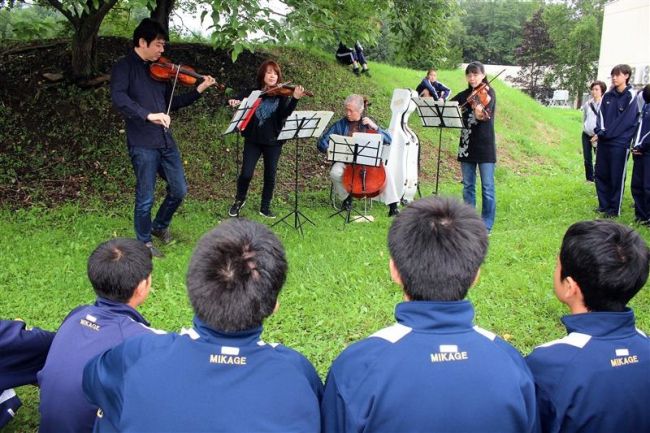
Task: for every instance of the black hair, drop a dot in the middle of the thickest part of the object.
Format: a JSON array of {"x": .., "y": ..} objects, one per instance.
[
  {"x": 116, "y": 267},
  {"x": 149, "y": 30},
  {"x": 603, "y": 86},
  {"x": 622, "y": 69},
  {"x": 646, "y": 93},
  {"x": 235, "y": 275},
  {"x": 438, "y": 245},
  {"x": 476, "y": 68},
  {"x": 609, "y": 261}
]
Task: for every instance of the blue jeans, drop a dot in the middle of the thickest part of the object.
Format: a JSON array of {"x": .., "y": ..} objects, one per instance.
[
  {"x": 489, "y": 203},
  {"x": 147, "y": 164}
]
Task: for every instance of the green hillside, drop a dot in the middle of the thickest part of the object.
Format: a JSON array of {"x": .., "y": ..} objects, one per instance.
[{"x": 338, "y": 289}]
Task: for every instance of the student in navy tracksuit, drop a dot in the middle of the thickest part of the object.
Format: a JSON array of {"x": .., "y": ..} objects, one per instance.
[
  {"x": 120, "y": 273},
  {"x": 641, "y": 156},
  {"x": 23, "y": 352},
  {"x": 354, "y": 57},
  {"x": 433, "y": 370},
  {"x": 614, "y": 128},
  {"x": 431, "y": 87},
  {"x": 219, "y": 375},
  {"x": 597, "y": 378}
]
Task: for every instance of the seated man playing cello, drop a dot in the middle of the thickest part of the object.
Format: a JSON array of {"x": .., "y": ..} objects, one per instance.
[{"x": 354, "y": 121}]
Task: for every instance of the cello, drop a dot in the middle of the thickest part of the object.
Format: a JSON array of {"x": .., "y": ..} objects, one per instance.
[
  {"x": 363, "y": 181},
  {"x": 402, "y": 162}
]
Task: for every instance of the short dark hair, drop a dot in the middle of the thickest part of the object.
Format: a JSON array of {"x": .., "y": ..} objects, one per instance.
[
  {"x": 235, "y": 275},
  {"x": 603, "y": 86},
  {"x": 262, "y": 71},
  {"x": 116, "y": 267},
  {"x": 149, "y": 30},
  {"x": 609, "y": 261},
  {"x": 622, "y": 69},
  {"x": 438, "y": 245}
]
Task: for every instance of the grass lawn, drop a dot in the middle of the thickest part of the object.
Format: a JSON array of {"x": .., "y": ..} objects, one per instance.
[{"x": 338, "y": 288}]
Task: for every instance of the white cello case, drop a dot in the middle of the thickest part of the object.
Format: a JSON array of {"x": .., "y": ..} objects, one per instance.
[{"x": 402, "y": 158}]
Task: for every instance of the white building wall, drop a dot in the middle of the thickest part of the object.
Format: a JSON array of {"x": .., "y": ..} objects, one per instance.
[{"x": 626, "y": 39}]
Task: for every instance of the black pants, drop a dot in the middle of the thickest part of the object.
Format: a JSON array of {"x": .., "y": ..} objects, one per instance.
[
  {"x": 587, "y": 152},
  {"x": 641, "y": 187},
  {"x": 610, "y": 177},
  {"x": 252, "y": 153}
]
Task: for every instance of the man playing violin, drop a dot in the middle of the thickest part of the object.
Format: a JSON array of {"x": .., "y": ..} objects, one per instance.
[
  {"x": 143, "y": 102},
  {"x": 354, "y": 121}
]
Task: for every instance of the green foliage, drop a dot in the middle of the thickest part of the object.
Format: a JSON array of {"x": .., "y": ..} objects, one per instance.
[
  {"x": 124, "y": 17},
  {"x": 30, "y": 22},
  {"x": 490, "y": 31},
  {"x": 535, "y": 54},
  {"x": 419, "y": 32},
  {"x": 575, "y": 29}
]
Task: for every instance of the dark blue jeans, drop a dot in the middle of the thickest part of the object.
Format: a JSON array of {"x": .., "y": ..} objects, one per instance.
[{"x": 147, "y": 164}]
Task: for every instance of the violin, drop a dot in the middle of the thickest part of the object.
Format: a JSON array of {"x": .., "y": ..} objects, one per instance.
[
  {"x": 165, "y": 70},
  {"x": 479, "y": 99},
  {"x": 284, "y": 89},
  {"x": 364, "y": 180}
]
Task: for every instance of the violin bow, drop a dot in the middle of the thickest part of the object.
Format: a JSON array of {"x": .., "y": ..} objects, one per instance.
[
  {"x": 487, "y": 84},
  {"x": 178, "y": 71}
]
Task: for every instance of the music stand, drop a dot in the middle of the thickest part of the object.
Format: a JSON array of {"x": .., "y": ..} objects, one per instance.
[
  {"x": 360, "y": 149},
  {"x": 301, "y": 124},
  {"x": 243, "y": 112},
  {"x": 438, "y": 114}
]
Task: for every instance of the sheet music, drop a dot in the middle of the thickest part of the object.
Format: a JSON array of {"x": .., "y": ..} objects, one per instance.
[
  {"x": 369, "y": 146},
  {"x": 439, "y": 114},
  {"x": 313, "y": 125},
  {"x": 240, "y": 113}
]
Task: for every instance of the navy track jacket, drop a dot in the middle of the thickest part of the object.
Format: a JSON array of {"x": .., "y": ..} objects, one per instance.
[
  {"x": 22, "y": 355},
  {"x": 87, "y": 331},
  {"x": 617, "y": 118},
  {"x": 597, "y": 378},
  {"x": 204, "y": 380},
  {"x": 433, "y": 371}
]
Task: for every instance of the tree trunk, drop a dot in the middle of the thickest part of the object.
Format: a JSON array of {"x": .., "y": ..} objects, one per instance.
[
  {"x": 162, "y": 12},
  {"x": 84, "y": 41},
  {"x": 83, "y": 60}
]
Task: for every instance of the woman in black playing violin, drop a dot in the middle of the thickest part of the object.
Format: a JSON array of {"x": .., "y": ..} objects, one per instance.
[
  {"x": 261, "y": 137},
  {"x": 477, "y": 146}
]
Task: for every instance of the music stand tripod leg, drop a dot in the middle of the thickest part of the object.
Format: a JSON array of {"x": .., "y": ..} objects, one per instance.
[
  {"x": 438, "y": 164},
  {"x": 297, "y": 214}
]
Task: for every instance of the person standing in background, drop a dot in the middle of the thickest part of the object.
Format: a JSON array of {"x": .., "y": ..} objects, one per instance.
[{"x": 589, "y": 117}]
